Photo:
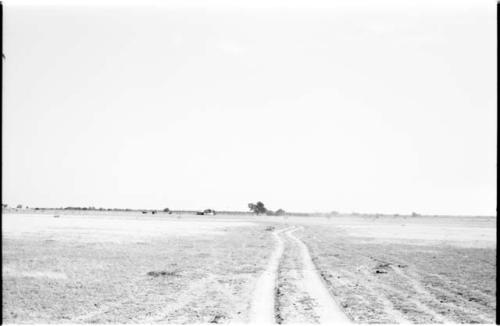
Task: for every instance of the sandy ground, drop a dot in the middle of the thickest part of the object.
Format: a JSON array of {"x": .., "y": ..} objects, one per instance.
[
  {"x": 263, "y": 303},
  {"x": 185, "y": 269},
  {"x": 394, "y": 271},
  {"x": 98, "y": 228},
  {"x": 76, "y": 272},
  {"x": 301, "y": 294},
  {"x": 324, "y": 306}
]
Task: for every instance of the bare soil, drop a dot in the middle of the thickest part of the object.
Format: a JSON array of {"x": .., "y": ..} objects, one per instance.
[
  {"x": 187, "y": 269},
  {"x": 302, "y": 296},
  {"x": 56, "y": 276},
  {"x": 384, "y": 280}
]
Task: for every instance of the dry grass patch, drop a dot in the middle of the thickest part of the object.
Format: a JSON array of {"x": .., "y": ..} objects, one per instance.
[
  {"x": 175, "y": 279},
  {"x": 384, "y": 282}
]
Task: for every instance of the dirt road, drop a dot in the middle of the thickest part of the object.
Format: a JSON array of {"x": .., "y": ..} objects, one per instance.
[
  {"x": 290, "y": 290},
  {"x": 167, "y": 270},
  {"x": 262, "y": 308}
]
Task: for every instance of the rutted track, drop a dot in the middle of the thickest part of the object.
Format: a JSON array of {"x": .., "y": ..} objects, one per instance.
[
  {"x": 290, "y": 290},
  {"x": 326, "y": 309},
  {"x": 262, "y": 308}
]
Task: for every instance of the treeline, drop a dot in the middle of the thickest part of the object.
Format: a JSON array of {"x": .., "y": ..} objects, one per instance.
[
  {"x": 92, "y": 208},
  {"x": 260, "y": 209},
  {"x": 77, "y": 208},
  {"x": 257, "y": 208}
]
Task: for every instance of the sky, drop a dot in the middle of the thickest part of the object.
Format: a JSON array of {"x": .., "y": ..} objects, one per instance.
[{"x": 308, "y": 106}]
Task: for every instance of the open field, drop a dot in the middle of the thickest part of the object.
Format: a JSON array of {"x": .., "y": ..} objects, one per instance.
[
  {"x": 132, "y": 268},
  {"x": 412, "y": 272},
  {"x": 124, "y": 270}
]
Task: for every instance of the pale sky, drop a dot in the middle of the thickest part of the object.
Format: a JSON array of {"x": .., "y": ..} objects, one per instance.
[{"x": 304, "y": 105}]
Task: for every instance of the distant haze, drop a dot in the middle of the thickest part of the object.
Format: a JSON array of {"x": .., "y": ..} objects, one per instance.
[{"x": 348, "y": 107}]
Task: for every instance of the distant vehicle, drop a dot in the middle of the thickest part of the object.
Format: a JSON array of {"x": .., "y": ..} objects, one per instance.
[
  {"x": 144, "y": 212},
  {"x": 208, "y": 212}
]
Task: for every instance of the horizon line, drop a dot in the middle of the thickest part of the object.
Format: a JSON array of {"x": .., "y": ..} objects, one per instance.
[{"x": 184, "y": 211}]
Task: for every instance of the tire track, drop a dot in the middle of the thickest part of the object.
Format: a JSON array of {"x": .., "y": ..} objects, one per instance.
[
  {"x": 263, "y": 303},
  {"x": 325, "y": 309},
  {"x": 293, "y": 302},
  {"x": 307, "y": 282}
]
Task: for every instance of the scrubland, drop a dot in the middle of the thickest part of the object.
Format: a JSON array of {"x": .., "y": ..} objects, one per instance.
[
  {"x": 187, "y": 269},
  {"x": 85, "y": 275},
  {"x": 381, "y": 280}
]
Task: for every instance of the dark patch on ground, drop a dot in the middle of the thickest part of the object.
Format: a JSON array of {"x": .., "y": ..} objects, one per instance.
[{"x": 163, "y": 273}]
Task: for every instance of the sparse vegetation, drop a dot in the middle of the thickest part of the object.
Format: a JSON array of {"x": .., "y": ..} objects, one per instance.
[
  {"x": 167, "y": 279},
  {"x": 447, "y": 283},
  {"x": 375, "y": 277}
]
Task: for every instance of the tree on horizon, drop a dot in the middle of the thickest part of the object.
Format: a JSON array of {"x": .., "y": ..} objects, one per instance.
[{"x": 257, "y": 208}]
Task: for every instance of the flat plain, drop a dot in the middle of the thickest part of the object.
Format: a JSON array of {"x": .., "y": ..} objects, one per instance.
[{"x": 169, "y": 268}]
